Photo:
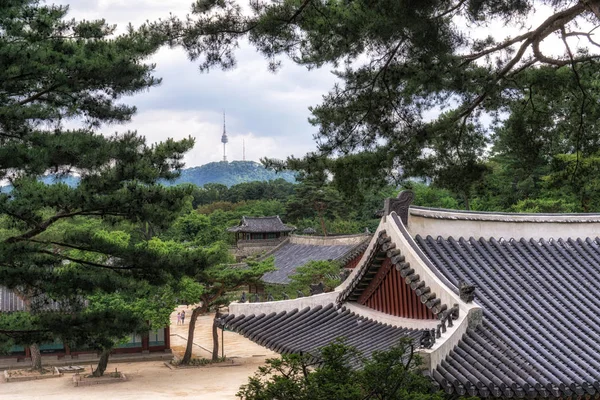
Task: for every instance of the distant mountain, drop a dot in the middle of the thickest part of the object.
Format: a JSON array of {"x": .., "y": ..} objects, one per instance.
[
  {"x": 226, "y": 173},
  {"x": 230, "y": 173}
]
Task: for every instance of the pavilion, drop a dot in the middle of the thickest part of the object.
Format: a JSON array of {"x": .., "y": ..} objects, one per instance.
[
  {"x": 499, "y": 304},
  {"x": 157, "y": 340},
  {"x": 254, "y": 234}
]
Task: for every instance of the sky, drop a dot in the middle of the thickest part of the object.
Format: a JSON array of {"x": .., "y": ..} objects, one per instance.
[{"x": 268, "y": 111}]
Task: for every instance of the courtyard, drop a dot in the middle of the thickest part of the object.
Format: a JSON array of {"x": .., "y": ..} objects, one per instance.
[{"x": 154, "y": 380}]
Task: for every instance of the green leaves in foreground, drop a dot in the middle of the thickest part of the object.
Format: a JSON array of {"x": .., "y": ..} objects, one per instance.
[{"x": 338, "y": 371}]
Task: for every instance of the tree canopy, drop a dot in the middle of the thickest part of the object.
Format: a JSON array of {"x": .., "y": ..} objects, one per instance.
[
  {"x": 76, "y": 245},
  {"x": 425, "y": 88},
  {"x": 338, "y": 371}
]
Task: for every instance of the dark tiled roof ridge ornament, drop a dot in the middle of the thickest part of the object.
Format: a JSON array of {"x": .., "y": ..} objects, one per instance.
[
  {"x": 309, "y": 231},
  {"x": 319, "y": 288},
  {"x": 466, "y": 292},
  {"x": 427, "y": 339},
  {"x": 400, "y": 205}
]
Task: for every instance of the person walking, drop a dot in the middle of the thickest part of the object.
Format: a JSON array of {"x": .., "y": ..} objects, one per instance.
[
  {"x": 183, "y": 318},
  {"x": 178, "y": 318}
]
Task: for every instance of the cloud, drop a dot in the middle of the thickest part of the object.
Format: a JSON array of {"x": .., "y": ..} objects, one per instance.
[
  {"x": 206, "y": 128},
  {"x": 269, "y": 111}
]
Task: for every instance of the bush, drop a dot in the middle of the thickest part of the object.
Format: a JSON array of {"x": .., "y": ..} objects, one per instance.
[{"x": 338, "y": 371}]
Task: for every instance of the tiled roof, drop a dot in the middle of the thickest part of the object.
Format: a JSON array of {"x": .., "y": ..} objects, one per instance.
[
  {"x": 10, "y": 302},
  {"x": 311, "y": 328},
  {"x": 374, "y": 269},
  {"x": 540, "y": 335},
  {"x": 290, "y": 256},
  {"x": 261, "y": 225}
]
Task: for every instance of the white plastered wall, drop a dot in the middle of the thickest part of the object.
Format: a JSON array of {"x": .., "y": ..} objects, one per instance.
[{"x": 446, "y": 223}]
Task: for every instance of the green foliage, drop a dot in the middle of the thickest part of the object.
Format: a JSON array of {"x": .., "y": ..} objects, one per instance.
[
  {"x": 420, "y": 96},
  {"x": 198, "y": 362},
  {"x": 575, "y": 176},
  {"x": 230, "y": 173},
  {"x": 89, "y": 247},
  {"x": 313, "y": 272},
  {"x": 211, "y": 288},
  {"x": 544, "y": 206},
  {"x": 341, "y": 373},
  {"x": 195, "y": 228},
  {"x": 430, "y": 196}
]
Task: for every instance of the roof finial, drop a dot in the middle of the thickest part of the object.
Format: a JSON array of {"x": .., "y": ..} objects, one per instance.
[{"x": 224, "y": 139}]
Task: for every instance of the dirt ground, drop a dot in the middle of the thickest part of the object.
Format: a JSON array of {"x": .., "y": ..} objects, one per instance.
[{"x": 153, "y": 380}]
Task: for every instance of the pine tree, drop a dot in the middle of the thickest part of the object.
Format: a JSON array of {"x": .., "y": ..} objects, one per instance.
[
  {"x": 58, "y": 245},
  {"x": 417, "y": 86}
]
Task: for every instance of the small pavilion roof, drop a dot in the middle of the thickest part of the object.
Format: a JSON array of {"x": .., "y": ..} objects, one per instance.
[
  {"x": 289, "y": 256},
  {"x": 261, "y": 225}
]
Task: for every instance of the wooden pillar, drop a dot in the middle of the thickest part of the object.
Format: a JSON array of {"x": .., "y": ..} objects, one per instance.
[
  {"x": 145, "y": 341},
  {"x": 167, "y": 338},
  {"x": 67, "y": 350},
  {"x": 27, "y": 352}
]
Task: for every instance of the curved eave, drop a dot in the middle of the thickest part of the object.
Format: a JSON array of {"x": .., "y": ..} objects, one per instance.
[
  {"x": 307, "y": 329},
  {"x": 392, "y": 238}
]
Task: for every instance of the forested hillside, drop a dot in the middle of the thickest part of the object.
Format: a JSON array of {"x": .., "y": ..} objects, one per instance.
[
  {"x": 230, "y": 173},
  {"x": 225, "y": 173}
]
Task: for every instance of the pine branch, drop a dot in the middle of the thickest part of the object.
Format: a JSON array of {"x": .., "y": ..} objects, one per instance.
[
  {"x": 39, "y": 94},
  {"x": 84, "y": 262}
]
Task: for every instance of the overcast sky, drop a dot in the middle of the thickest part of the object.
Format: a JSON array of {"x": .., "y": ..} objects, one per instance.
[{"x": 268, "y": 111}]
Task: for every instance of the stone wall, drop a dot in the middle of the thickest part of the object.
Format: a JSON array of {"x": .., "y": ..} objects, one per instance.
[{"x": 329, "y": 240}]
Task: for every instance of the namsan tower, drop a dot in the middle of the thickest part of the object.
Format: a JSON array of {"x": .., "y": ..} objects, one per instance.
[{"x": 224, "y": 139}]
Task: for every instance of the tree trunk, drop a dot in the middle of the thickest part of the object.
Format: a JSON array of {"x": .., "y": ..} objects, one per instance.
[
  {"x": 187, "y": 357},
  {"x": 36, "y": 357},
  {"x": 102, "y": 363},
  {"x": 467, "y": 205},
  {"x": 323, "y": 224},
  {"x": 215, "y": 334}
]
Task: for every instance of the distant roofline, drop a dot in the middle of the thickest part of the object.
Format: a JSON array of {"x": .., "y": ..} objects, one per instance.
[
  {"x": 446, "y": 223},
  {"x": 244, "y": 227},
  {"x": 446, "y": 213}
]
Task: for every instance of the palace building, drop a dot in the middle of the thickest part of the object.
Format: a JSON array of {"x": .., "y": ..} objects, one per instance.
[
  {"x": 499, "y": 304},
  {"x": 155, "y": 341}
]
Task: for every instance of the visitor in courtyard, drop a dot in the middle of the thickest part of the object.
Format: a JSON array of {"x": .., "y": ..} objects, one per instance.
[
  {"x": 178, "y": 318},
  {"x": 182, "y": 317}
]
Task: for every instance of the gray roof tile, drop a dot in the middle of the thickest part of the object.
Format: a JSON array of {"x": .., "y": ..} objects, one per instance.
[
  {"x": 261, "y": 225},
  {"x": 541, "y": 301},
  {"x": 291, "y": 256},
  {"x": 307, "y": 330}
]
